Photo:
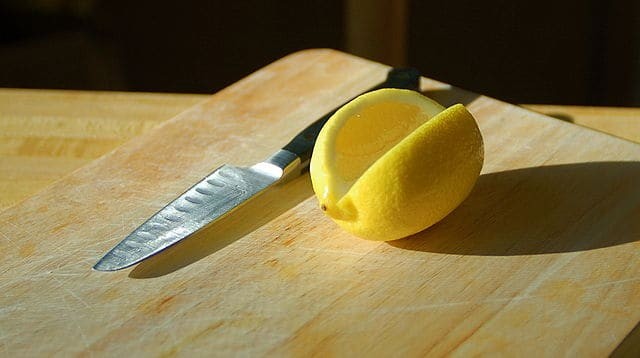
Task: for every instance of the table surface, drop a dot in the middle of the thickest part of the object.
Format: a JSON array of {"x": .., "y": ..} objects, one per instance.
[
  {"x": 473, "y": 299},
  {"x": 46, "y": 134}
]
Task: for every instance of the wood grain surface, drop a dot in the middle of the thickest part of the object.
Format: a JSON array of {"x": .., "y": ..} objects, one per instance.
[
  {"x": 46, "y": 134},
  {"x": 542, "y": 258}
]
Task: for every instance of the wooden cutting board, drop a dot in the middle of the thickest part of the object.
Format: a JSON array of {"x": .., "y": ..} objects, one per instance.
[{"x": 542, "y": 258}]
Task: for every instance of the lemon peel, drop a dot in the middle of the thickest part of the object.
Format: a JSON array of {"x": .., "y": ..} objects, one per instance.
[{"x": 393, "y": 162}]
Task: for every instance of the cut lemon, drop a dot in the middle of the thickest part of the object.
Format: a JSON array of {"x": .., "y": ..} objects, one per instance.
[{"x": 393, "y": 162}]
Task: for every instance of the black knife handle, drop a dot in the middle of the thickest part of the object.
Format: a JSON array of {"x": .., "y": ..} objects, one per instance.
[{"x": 302, "y": 144}]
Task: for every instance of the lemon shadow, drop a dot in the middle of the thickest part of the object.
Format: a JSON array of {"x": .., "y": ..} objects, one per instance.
[
  {"x": 540, "y": 210},
  {"x": 255, "y": 213}
]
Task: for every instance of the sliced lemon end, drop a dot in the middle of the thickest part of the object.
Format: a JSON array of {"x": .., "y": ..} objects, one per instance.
[
  {"x": 350, "y": 149},
  {"x": 356, "y": 150}
]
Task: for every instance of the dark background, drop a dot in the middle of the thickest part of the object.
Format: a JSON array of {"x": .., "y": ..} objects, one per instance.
[{"x": 563, "y": 52}]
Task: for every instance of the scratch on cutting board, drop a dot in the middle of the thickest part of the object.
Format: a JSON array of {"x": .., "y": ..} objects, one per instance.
[
  {"x": 85, "y": 341},
  {"x": 8, "y": 239},
  {"x": 77, "y": 297},
  {"x": 603, "y": 284},
  {"x": 503, "y": 299},
  {"x": 71, "y": 293},
  {"x": 12, "y": 224},
  {"x": 461, "y": 303}
]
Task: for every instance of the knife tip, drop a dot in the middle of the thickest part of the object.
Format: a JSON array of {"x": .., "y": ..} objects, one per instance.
[
  {"x": 103, "y": 268},
  {"x": 107, "y": 266}
]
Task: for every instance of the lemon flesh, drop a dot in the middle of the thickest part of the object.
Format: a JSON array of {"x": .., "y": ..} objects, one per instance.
[{"x": 393, "y": 162}]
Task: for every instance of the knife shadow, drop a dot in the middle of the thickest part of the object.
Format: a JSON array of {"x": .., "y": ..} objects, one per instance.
[
  {"x": 255, "y": 213},
  {"x": 450, "y": 96},
  {"x": 540, "y": 210}
]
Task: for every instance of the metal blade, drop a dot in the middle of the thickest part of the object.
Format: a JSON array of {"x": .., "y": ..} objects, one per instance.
[{"x": 215, "y": 196}]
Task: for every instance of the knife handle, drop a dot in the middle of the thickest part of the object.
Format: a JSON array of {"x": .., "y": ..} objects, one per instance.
[{"x": 302, "y": 144}]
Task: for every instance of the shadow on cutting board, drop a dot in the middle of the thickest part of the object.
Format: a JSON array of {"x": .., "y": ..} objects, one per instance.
[
  {"x": 549, "y": 209},
  {"x": 256, "y": 213},
  {"x": 449, "y": 96}
]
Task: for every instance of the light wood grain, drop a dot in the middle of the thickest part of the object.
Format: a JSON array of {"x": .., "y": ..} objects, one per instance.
[
  {"x": 45, "y": 135},
  {"x": 621, "y": 122},
  {"x": 542, "y": 259}
]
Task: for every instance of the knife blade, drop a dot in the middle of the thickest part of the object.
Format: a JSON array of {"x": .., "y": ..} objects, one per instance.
[{"x": 226, "y": 189}]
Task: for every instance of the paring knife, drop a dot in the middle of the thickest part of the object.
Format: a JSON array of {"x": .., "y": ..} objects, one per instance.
[{"x": 226, "y": 189}]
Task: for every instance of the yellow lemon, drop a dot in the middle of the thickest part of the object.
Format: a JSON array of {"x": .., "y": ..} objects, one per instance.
[{"x": 393, "y": 162}]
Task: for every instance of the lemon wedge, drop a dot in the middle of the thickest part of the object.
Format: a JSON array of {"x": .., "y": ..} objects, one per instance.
[{"x": 393, "y": 162}]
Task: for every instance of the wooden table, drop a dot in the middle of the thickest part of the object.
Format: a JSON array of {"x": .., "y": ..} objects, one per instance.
[{"x": 48, "y": 134}]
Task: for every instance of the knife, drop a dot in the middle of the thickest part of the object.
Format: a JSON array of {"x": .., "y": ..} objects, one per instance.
[{"x": 226, "y": 189}]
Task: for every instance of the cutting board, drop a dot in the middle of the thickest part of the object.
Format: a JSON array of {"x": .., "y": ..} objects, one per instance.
[
  {"x": 542, "y": 258},
  {"x": 45, "y": 134}
]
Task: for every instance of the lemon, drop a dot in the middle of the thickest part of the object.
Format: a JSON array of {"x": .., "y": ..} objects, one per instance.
[{"x": 393, "y": 162}]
